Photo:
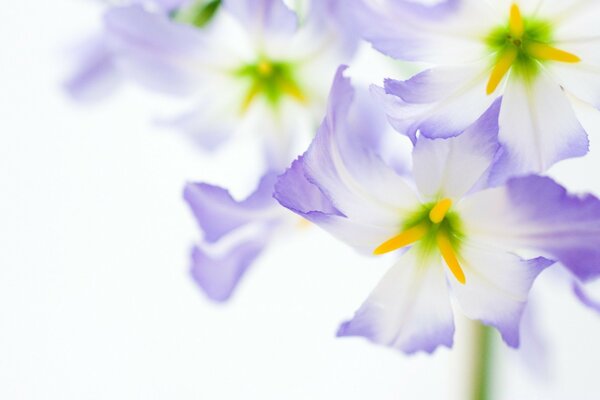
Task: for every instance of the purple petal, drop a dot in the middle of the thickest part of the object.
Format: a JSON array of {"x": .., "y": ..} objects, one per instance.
[
  {"x": 151, "y": 48},
  {"x": 586, "y": 295},
  {"x": 441, "y": 102},
  {"x": 218, "y": 276},
  {"x": 96, "y": 75},
  {"x": 453, "y": 167},
  {"x": 266, "y": 17},
  {"x": 218, "y": 213},
  {"x": 567, "y": 227}
]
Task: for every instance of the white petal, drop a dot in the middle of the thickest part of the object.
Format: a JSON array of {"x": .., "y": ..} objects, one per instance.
[
  {"x": 451, "y": 167},
  {"x": 496, "y": 288},
  {"x": 538, "y": 126},
  {"x": 409, "y": 310}
]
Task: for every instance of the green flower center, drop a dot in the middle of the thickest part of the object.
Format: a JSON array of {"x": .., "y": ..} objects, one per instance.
[
  {"x": 433, "y": 229},
  {"x": 271, "y": 80},
  {"x": 522, "y": 45}
]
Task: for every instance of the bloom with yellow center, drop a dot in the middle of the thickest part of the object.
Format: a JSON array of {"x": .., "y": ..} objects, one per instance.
[
  {"x": 533, "y": 55},
  {"x": 449, "y": 234}
]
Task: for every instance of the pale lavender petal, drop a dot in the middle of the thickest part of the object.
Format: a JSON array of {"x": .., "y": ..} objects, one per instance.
[
  {"x": 96, "y": 75},
  {"x": 441, "y": 102},
  {"x": 409, "y": 309},
  {"x": 218, "y": 213},
  {"x": 455, "y": 166},
  {"x": 151, "y": 48},
  {"x": 497, "y": 286},
  {"x": 352, "y": 176},
  {"x": 538, "y": 215},
  {"x": 264, "y": 17},
  {"x": 219, "y": 275}
]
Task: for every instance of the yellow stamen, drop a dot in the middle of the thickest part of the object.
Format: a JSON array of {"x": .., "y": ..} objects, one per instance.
[
  {"x": 293, "y": 91},
  {"x": 516, "y": 25},
  {"x": 501, "y": 68},
  {"x": 445, "y": 246},
  {"x": 544, "y": 52},
  {"x": 438, "y": 212},
  {"x": 265, "y": 68},
  {"x": 407, "y": 237},
  {"x": 252, "y": 93}
]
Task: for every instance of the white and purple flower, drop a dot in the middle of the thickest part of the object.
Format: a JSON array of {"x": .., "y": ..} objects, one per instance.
[
  {"x": 454, "y": 236},
  {"x": 256, "y": 69},
  {"x": 531, "y": 54}
]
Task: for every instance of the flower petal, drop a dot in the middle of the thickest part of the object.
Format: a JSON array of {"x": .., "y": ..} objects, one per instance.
[
  {"x": 154, "y": 50},
  {"x": 535, "y": 214},
  {"x": 219, "y": 275},
  {"x": 440, "y": 102},
  {"x": 356, "y": 181},
  {"x": 497, "y": 286},
  {"x": 538, "y": 126},
  {"x": 264, "y": 17},
  {"x": 96, "y": 75},
  {"x": 451, "y": 167},
  {"x": 410, "y": 31},
  {"x": 218, "y": 213},
  {"x": 409, "y": 310},
  {"x": 581, "y": 79},
  {"x": 295, "y": 192},
  {"x": 589, "y": 294}
]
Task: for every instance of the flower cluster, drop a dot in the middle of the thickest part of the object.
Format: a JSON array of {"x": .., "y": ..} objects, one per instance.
[{"x": 473, "y": 218}]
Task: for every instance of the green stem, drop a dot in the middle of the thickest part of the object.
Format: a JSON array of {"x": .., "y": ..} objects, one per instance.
[{"x": 483, "y": 363}]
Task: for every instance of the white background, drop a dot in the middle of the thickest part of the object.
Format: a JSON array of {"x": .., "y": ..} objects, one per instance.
[{"x": 95, "y": 298}]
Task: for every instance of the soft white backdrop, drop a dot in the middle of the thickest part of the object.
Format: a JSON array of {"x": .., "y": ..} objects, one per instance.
[{"x": 95, "y": 299}]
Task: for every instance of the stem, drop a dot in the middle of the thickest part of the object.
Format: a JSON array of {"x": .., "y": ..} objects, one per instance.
[{"x": 483, "y": 363}]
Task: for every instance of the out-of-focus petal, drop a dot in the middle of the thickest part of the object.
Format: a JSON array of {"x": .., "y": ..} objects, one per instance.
[
  {"x": 408, "y": 310},
  {"x": 154, "y": 50},
  {"x": 96, "y": 75},
  {"x": 219, "y": 275},
  {"x": 218, "y": 213},
  {"x": 264, "y": 17}
]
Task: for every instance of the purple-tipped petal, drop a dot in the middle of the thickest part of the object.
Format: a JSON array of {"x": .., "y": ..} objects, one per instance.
[
  {"x": 588, "y": 294},
  {"x": 440, "y": 102},
  {"x": 219, "y": 275},
  {"x": 409, "y": 309},
  {"x": 535, "y": 213},
  {"x": 452, "y": 167},
  {"x": 497, "y": 286},
  {"x": 218, "y": 213}
]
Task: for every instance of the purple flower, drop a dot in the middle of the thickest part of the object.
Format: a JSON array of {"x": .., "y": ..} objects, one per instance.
[
  {"x": 484, "y": 247},
  {"x": 256, "y": 69}
]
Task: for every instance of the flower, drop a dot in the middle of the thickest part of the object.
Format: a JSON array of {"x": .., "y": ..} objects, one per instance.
[
  {"x": 484, "y": 246},
  {"x": 256, "y": 68},
  {"x": 531, "y": 54}
]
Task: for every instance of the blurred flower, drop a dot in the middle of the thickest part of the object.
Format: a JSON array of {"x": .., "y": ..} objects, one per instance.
[
  {"x": 529, "y": 53},
  {"x": 485, "y": 246},
  {"x": 255, "y": 69}
]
